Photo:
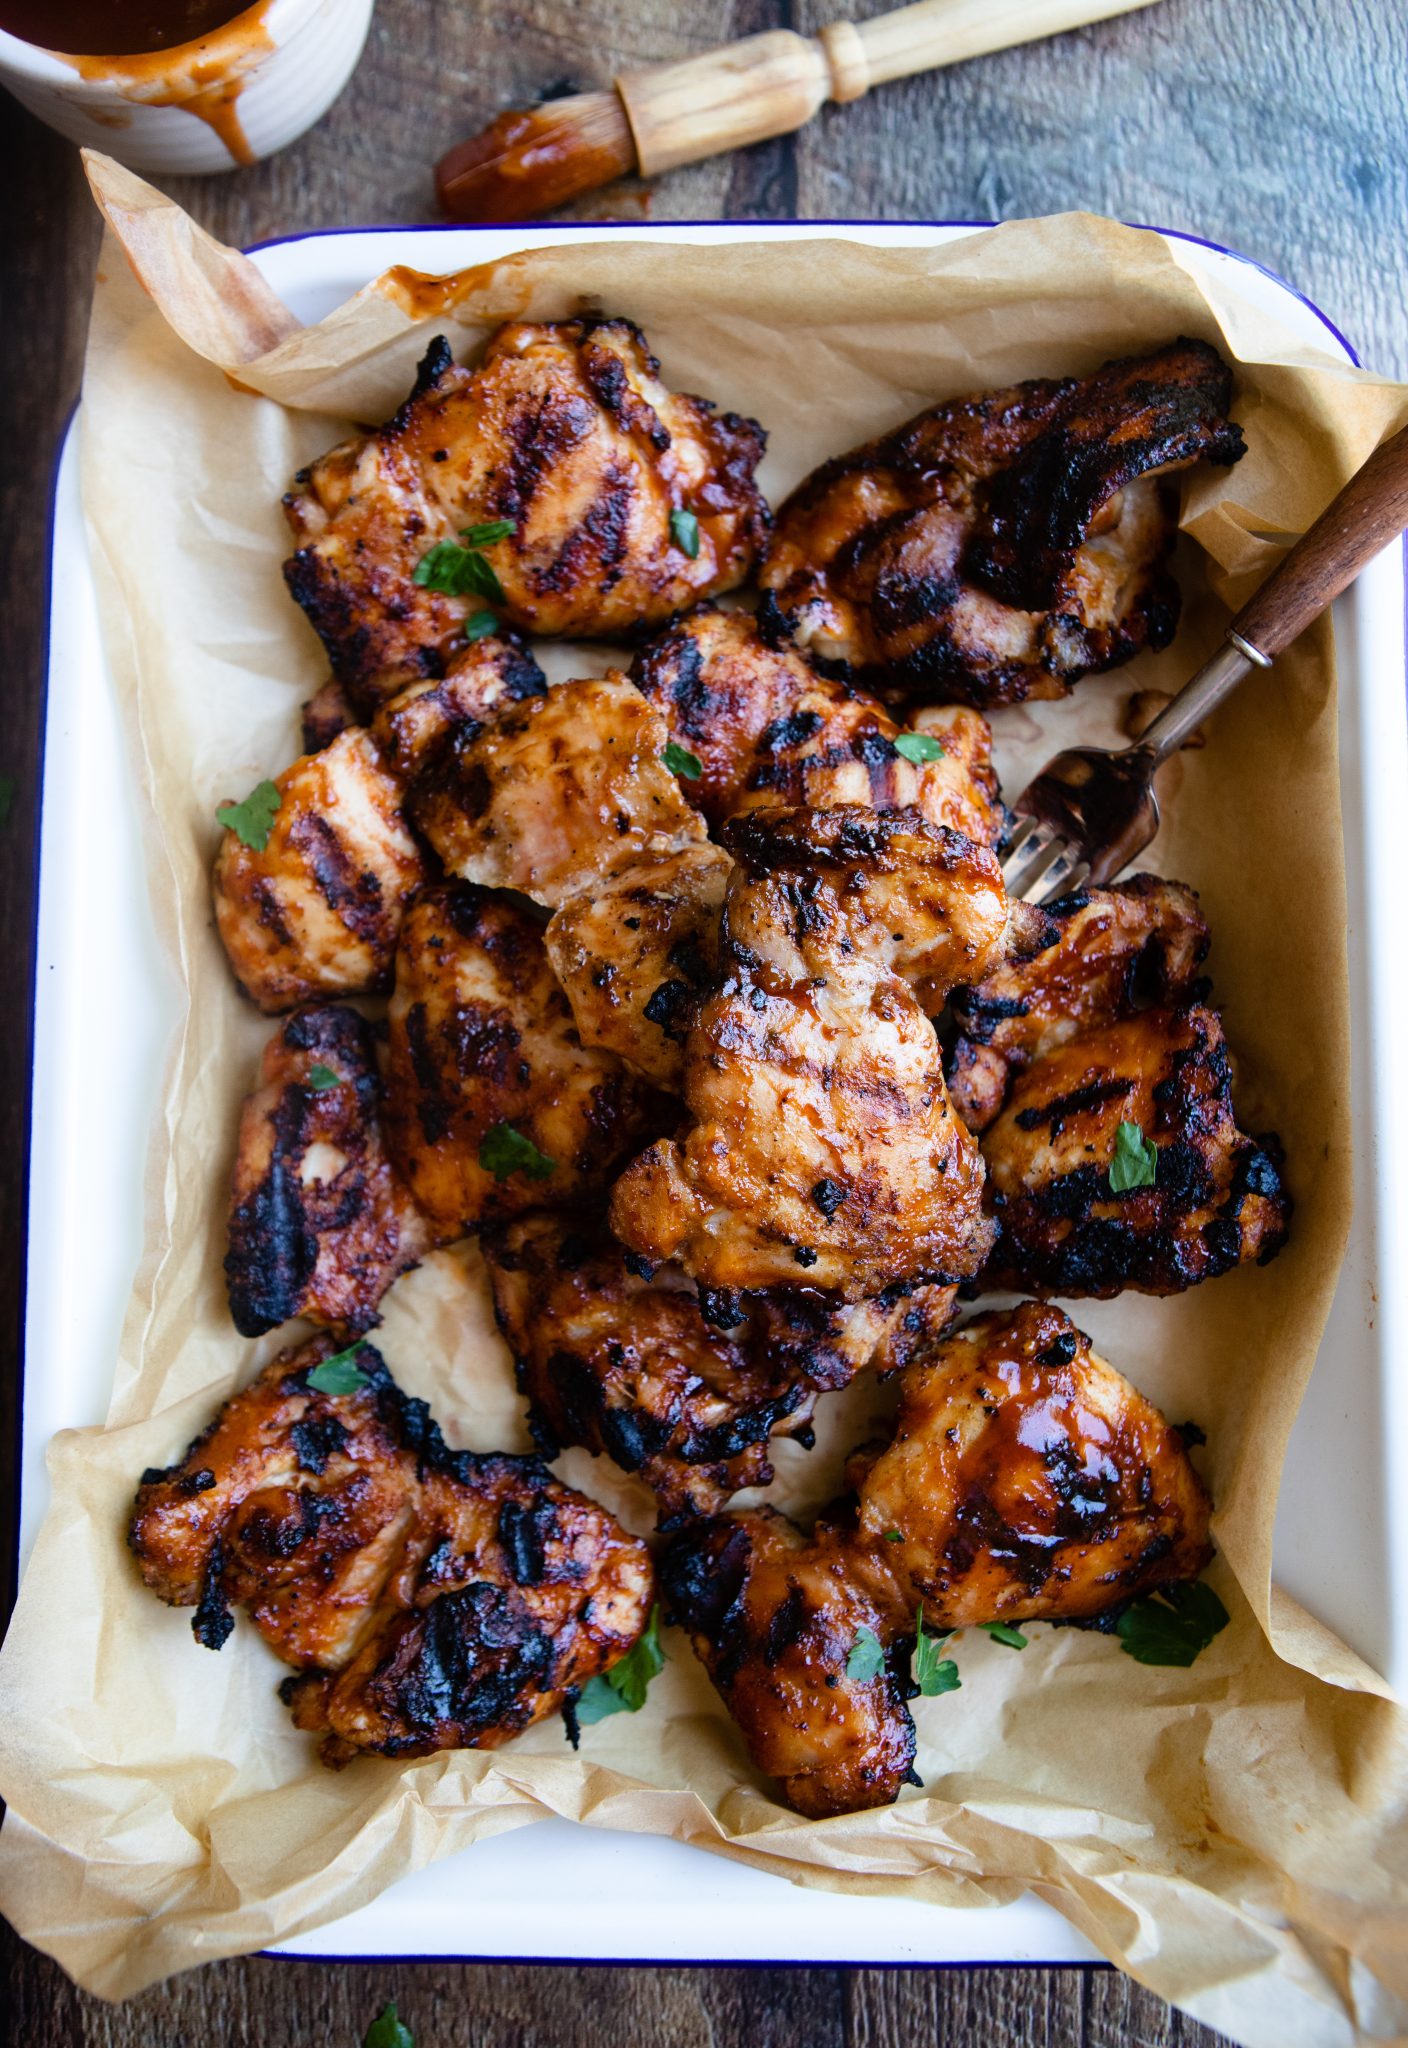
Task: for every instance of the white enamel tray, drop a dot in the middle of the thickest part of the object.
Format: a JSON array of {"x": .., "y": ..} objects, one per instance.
[{"x": 105, "y": 1004}]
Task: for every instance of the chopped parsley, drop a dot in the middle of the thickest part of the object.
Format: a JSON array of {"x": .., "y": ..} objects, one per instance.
[
  {"x": 339, "y": 1374},
  {"x": 321, "y": 1078},
  {"x": 1173, "y": 1625},
  {"x": 387, "y": 2030},
  {"x": 457, "y": 568},
  {"x": 623, "y": 1688},
  {"x": 685, "y": 529},
  {"x": 1003, "y": 1632},
  {"x": 1135, "y": 1161},
  {"x": 680, "y": 761},
  {"x": 918, "y": 747},
  {"x": 504, "y": 1151},
  {"x": 253, "y": 820},
  {"x": 867, "y": 1659},
  {"x": 481, "y": 625},
  {"x": 932, "y": 1671},
  {"x": 893, "y": 1536}
]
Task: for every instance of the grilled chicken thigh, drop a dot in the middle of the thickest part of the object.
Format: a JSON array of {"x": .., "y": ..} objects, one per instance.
[
  {"x": 493, "y": 1104},
  {"x": 1217, "y": 1199},
  {"x": 636, "y": 952},
  {"x": 1025, "y": 1481},
  {"x": 822, "y": 1148},
  {"x": 554, "y": 792},
  {"x": 768, "y": 729},
  {"x": 774, "y": 1617},
  {"x": 1028, "y": 1481},
  {"x": 627, "y": 501},
  {"x": 317, "y": 911},
  {"x": 427, "y": 1598},
  {"x": 320, "y": 1224},
  {"x": 1069, "y": 967},
  {"x": 630, "y": 1368},
  {"x": 1001, "y": 546}
]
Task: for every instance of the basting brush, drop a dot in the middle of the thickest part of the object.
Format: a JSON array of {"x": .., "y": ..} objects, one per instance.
[{"x": 528, "y": 162}]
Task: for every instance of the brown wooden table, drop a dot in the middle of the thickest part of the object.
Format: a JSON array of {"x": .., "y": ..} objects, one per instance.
[{"x": 1279, "y": 127}]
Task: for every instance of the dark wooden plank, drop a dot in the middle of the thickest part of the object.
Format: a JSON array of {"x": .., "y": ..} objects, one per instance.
[{"x": 1275, "y": 125}]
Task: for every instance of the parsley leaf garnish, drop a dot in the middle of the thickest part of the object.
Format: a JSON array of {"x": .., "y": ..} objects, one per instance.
[
  {"x": 321, "y": 1078},
  {"x": 490, "y": 531},
  {"x": 931, "y": 1670},
  {"x": 1173, "y": 1625},
  {"x": 339, "y": 1374},
  {"x": 504, "y": 1151},
  {"x": 680, "y": 761},
  {"x": 918, "y": 747},
  {"x": 1003, "y": 1632},
  {"x": 894, "y": 1536},
  {"x": 685, "y": 528},
  {"x": 388, "y": 2031},
  {"x": 481, "y": 625},
  {"x": 623, "y": 1688},
  {"x": 867, "y": 1659},
  {"x": 457, "y": 571},
  {"x": 1135, "y": 1162},
  {"x": 253, "y": 820}
]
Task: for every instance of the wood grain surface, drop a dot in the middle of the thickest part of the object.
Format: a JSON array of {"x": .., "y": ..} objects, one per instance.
[{"x": 1279, "y": 127}]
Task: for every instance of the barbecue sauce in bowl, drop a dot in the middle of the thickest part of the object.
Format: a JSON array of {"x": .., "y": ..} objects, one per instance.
[{"x": 115, "y": 28}]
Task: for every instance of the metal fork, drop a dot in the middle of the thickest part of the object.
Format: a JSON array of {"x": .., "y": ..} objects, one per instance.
[{"x": 1092, "y": 810}]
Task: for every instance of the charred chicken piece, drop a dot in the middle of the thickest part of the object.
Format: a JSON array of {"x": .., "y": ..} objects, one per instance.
[
  {"x": 768, "y": 729},
  {"x": 636, "y": 952},
  {"x": 1071, "y": 967},
  {"x": 320, "y": 1225},
  {"x": 630, "y": 1369},
  {"x": 1002, "y": 546},
  {"x": 1217, "y": 1199},
  {"x": 1028, "y": 1481},
  {"x": 318, "y": 910},
  {"x": 774, "y": 1617},
  {"x": 429, "y": 1599},
  {"x": 493, "y": 1105},
  {"x": 554, "y": 792},
  {"x": 822, "y": 1142},
  {"x": 564, "y": 429}
]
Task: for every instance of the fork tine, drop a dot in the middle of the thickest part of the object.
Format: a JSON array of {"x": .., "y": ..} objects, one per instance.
[{"x": 1031, "y": 857}]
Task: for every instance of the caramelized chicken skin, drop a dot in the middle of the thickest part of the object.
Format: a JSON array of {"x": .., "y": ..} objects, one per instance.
[
  {"x": 822, "y": 1148},
  {"x": 481, "y": 1037},
  {"x": 767, "y": 729},
  {"x": 773, "y": 1618},
  {"x": 318, "y": 910},
  {"x": 829, "y": 1343},
  {"x": 428, "y": 1598},
  {"x": 1001, "y": 546},
  {"x": 1069, "y": 967},
  {"x": 1217, "y": 1199},
  {"x": 564, "y": 429},
  {"x": 319, "y": 1223},
  {"x": 1028, "y": 1481},
  {"x": 630, "y": 1368}
]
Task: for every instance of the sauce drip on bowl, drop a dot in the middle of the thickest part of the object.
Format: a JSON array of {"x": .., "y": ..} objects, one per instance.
[{"x": 114, "y": 28}]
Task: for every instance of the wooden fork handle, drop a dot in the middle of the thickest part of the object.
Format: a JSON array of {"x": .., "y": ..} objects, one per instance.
[{"x": 1368, "y": 513}]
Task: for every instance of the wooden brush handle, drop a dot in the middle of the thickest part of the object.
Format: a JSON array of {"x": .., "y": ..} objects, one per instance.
[
  {"x": 770, "y": 84},
  {"x": 1369, "y": 512}
]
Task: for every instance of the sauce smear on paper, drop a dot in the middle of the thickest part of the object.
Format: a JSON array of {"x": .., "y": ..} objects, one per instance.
[
  {"x": 115, "y": 28},
  {"x": 201, "y": 67}
]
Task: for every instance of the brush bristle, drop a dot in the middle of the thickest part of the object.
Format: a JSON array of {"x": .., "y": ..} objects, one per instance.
[{"x": 526, "y": 164}]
